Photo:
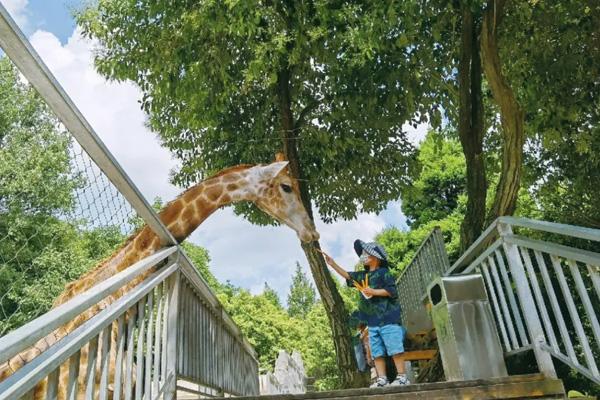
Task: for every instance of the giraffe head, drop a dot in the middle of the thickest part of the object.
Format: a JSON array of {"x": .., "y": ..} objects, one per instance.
[{"x": 279, "y": 196}]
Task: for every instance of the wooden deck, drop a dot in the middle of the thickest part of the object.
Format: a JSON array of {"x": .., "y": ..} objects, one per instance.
[{"x": 533, "y": 386}]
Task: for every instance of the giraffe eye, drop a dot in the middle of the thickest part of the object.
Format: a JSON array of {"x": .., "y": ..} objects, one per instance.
[{"x": 286, "y": 188}]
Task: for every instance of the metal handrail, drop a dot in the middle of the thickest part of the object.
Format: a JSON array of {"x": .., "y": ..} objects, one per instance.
[
  {"x": 534, "y": 304},
  {"x": 32, "y": 373},
  {"x": 430, "y": 261},
  {"x": 20, "y": 339},
  {"x": 182, "y": 333},
  {"x": 210, "y": 297}
]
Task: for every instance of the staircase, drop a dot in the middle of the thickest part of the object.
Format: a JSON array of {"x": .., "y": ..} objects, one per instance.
[{"x": 534, "y": 386}]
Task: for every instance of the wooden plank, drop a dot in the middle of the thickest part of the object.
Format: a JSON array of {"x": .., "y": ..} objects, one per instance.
[
  {"x": 512, "y": 260},
  {"x": 585, "y": 298},
  {"x": 534, "y": 325},
  {"x": 560, "y": 321},
  {"x": 575, "y": 319},
  {"x": 570, "y": 253},
  {"x": 497, "y": 312},
  {"x": 512, "y": 387},
  {"x": 549, "y": 329},
  {"x": 29, "y": 375},
  {"x": 553, "y": 227},
  {"x": 417, "y": 355},
  {"x": 504, "y": 305},
  {"x": 172, "y": 336},
  {"x": 165, "y": 314},
  {"x": 157, "y": 339}
]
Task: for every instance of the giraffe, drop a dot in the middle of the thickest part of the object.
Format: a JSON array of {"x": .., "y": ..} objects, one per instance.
[{"x": 269, "y": 186}]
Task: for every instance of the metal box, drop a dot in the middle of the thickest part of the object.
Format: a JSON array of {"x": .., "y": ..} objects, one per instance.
[{"x": 466, "y": 331}]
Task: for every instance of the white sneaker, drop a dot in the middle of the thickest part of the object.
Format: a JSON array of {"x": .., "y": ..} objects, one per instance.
[
  {"x": 380, "y": 382},
  {"x": 401, "y": 380}
]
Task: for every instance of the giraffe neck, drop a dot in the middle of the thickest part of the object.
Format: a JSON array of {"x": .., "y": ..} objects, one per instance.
[{"x": 183, "y": 215}]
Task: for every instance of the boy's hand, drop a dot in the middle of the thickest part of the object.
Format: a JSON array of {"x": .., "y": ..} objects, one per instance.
[
  {"x": 369, "y": 291},
  {"x": 327, "y": 258}
]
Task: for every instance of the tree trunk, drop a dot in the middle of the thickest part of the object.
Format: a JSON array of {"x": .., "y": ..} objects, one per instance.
[
  {"x": 470, "y": 128},
  {"x": 332, "y": 301},
  {"x": 511, "y": 114}
]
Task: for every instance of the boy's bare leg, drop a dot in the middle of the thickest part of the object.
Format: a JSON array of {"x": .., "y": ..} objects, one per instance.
[
  {"x": 399, "y": 362},
  {"x": 380, "y": 366}
]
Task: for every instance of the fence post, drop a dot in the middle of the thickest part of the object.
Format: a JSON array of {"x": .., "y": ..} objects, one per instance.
[
  {"x": 172, "y": 346},
  {"x": 532, "y": 318}
]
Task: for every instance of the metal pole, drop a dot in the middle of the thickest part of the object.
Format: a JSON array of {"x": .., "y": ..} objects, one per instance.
[
  {"x": 172, "y": 333},
  {"x": 534, "y": 325}
]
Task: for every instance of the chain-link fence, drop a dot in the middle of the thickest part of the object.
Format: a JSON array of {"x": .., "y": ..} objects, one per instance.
[{"x": 59, "y": 213}]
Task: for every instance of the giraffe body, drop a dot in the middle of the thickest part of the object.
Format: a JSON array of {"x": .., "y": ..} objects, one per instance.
[{"x": 268, "y": 186}]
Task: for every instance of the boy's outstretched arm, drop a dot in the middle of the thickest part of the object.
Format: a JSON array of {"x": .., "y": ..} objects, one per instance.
[{"x": 330, "y": 261}]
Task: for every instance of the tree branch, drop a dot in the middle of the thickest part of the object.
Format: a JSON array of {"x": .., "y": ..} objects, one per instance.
[{"x": 310, "y": 107}]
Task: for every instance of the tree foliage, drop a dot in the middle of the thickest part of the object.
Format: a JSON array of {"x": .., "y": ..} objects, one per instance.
[
  {"x": 438, "y": 181},
  {"x": 209, "y": 73},
  {"x": 41, "y": 248},
  {"x": 302, "y": 296},
  {"x": 231, "y": 82}
]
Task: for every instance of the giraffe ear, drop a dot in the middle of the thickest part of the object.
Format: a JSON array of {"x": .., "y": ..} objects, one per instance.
[{"x": 270, "y": 171}]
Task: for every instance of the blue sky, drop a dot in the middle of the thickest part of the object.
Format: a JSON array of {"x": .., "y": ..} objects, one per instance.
[
  {"x": 244, "y": 254},
  {"x": 52, "y": 16}
]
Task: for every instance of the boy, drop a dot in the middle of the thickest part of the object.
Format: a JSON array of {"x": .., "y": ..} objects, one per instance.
[{"x": 379, "y": 306}]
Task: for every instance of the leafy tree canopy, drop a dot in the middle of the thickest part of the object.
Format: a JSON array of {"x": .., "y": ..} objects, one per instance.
[
  {"x": 41, "y": 248},
  {"x": 438, "y": 181},
  {"x": 302, "y": 295},
  {"x": 211, "y": 75}
]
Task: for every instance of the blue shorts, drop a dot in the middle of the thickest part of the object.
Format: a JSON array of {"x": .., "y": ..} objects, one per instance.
[{"x": 386, "y": 340}]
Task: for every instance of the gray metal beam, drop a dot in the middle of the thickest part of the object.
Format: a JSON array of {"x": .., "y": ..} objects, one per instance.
[{"x": 24, "y": 56}]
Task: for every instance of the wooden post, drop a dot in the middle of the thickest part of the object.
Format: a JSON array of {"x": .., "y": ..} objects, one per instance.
[{"x": 532, "y": 319}]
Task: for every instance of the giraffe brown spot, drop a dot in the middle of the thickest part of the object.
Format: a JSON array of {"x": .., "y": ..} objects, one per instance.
[
  {"x": 144, "y": 238},
  {"x": 232, "y": 186},
  {"x": 171, "y": 211},
  {"x": 177, "y": 231},
  {"x": 188, "y": 213},
  {"x": 192, "y": 193},
  {"x": 230, "y": 178},
  {"x": 226, "y": 199},
  {"x": 213, "y": 193}
]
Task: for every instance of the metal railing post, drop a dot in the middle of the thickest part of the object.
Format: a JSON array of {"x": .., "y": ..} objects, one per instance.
[
  {"x": 532, "y": 319},
  {"x": 172, "y": 334}
]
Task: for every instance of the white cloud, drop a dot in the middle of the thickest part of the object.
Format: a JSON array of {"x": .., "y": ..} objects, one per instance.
[
  {"x": 247, "y": 255},
  {"x": 112, "y": 109},
  {"x": 17, "y": 10},
  {"x": 416, "y": 135}
]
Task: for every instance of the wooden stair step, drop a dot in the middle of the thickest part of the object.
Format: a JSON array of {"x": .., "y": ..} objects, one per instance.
[{"x": 532, "y": 386}]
